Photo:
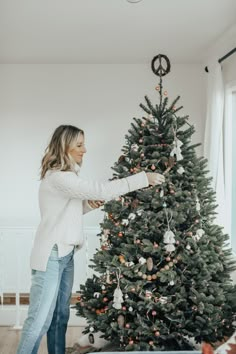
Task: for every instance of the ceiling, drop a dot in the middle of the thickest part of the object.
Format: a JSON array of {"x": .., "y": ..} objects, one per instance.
[{"x": 111, "y": 31}]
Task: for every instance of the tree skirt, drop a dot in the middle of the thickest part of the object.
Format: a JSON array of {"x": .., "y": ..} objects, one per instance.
[{"x": 76, "y": 349}]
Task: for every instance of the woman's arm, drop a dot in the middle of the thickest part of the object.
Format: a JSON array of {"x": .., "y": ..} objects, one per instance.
[{"x": 73, "y": 186}]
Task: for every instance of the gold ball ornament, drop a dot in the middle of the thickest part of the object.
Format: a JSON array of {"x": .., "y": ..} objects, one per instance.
[{"x": 121, "y": 259}]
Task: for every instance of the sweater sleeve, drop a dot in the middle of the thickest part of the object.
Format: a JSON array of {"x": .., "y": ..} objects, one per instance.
[
  {"x": 86, "y": 207},
  {"x": 73, "y": 186}
]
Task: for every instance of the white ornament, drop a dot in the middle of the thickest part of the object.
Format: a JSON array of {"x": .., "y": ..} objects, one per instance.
[
  {"x": 121, "y": 321},
  {"x": 170, "y": 247},
  {"x": 188, "y": 247},
  {"x": 130, "y": 309},
  {"x": 104, "y": 240},
  {"x": 142, "y": 260},
  {"x": 117, "y": 298},
  {"x": 149, "y": 264},
  {"x": 97, "y": 295},
  {"x": 180, "y": 170},
  {"x": 97, "y": 343},
  {"x": 162, "y": 193},
  {"x": 163, "y": 299},
  {"x": 118, "y": 295},
  {"x": 125, "y": 222},
  {"x": 108, "y": 280},
  {"x": 199, "y": 234},
  {"x": 171, "y": 283},
  {"x": 91, "y": 329},
  {"x": 134, "y": 147},
  {"x": 132, "y": 216},
  {"x": 176, "y": 150},
  {"x": 148, "y": 294},
  {"x": 169, "y": 237},
  {"x": 198, "y": 206},
  {"x": 129, "y": 264},
  {"x": 140, "y": 211}
]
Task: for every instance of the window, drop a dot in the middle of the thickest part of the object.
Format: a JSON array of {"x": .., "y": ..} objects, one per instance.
[{"x": 233, "y": 223}]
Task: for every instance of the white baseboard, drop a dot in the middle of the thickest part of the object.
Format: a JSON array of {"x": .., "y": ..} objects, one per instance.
[{"x": 8, "y": 316}]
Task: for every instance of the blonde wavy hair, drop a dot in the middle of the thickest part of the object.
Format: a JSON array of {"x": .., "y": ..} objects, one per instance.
[{"x": 56, "y": 153}]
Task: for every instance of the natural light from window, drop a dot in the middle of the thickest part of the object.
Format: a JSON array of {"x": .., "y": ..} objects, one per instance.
[{"x": 233, "y": 228}]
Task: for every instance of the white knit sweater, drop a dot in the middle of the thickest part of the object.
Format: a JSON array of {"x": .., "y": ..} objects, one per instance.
[{"x": 63, "y": 199}]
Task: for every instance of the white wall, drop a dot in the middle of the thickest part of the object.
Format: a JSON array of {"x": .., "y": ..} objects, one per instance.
[
  {"x": 229, "y": 69},
  {"x": 101, "y": 99}
]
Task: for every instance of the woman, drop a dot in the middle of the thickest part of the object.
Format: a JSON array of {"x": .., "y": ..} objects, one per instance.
[{"x": 63, "y": 198}]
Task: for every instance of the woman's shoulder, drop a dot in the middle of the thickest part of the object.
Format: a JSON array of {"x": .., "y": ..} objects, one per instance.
[
  {"x": 59, "y": 175},
  {"x": 51, "y": 172}
]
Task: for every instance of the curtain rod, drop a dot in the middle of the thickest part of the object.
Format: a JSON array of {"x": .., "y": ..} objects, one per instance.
[{"x": 223, "y": 58}]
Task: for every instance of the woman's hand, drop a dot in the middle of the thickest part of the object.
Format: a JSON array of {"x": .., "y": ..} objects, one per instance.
[
  {"x": 155, "y": 178},
  {"x": 95, "y": 203}
]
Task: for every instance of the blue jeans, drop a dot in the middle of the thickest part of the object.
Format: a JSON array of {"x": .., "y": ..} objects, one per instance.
[{"x": 49, "y": 307}]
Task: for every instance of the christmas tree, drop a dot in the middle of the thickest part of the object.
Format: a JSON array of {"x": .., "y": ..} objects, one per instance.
[{"x": 163, "y": 270}]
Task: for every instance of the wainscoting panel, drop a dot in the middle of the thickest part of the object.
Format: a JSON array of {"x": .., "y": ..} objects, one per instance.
[{"x": 15, "y": 272}]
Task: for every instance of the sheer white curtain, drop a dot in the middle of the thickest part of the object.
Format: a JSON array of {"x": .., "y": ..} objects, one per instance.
[{"x": 218, "y": 142}]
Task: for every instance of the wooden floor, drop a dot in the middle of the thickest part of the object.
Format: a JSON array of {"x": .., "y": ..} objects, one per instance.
[{"x": 9, "y": 339}]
